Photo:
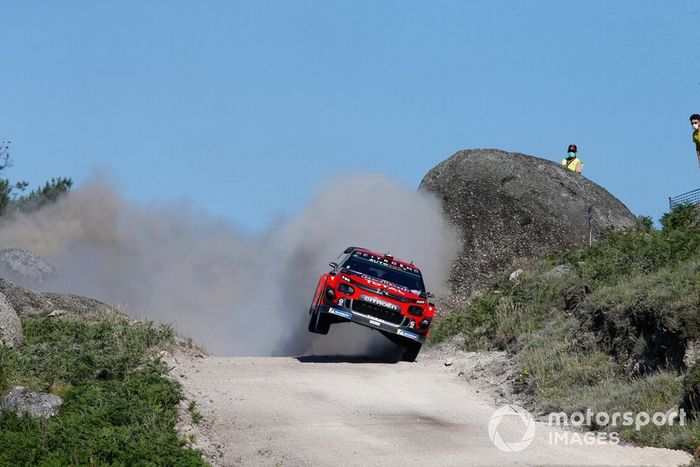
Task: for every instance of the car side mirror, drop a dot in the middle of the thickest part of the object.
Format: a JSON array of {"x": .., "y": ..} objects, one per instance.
[
  {"x": 429, "y": 295},
  {"x": 333, "y": 264}
]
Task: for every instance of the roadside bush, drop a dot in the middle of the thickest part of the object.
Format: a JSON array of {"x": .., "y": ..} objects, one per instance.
[
  {"x": 475, "y": 323},
  {"x": 639, "y": 250},
  {"x": 558, "y": 359},
  {"x": 496, "y": 319},
  {"x": 646, "y": 321},
  {"x": 658, "y": 392},
  {"x": 119, "y": 408},
  {"x": 70, "y": 351}
]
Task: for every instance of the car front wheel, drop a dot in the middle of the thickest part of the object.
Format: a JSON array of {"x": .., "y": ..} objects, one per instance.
[
  {"x": 410, "y": 351},
  {"x": 319, "y": 323}
]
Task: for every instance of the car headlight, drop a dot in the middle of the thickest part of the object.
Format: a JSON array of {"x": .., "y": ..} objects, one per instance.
[
  {"x": 346, "y": 289},
  {"x": 415, "y": 310}
]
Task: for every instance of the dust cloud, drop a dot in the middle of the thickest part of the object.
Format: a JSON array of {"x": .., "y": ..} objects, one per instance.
[{"x": 231, "y": 291}]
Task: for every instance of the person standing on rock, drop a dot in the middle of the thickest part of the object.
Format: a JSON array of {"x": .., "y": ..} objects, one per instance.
[
  {"x": 695, "y": 123},
  {"x": 572, "y": 162}
]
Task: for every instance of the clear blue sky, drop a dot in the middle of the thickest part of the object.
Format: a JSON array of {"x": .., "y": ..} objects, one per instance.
[{"x": 245, "y": 107}]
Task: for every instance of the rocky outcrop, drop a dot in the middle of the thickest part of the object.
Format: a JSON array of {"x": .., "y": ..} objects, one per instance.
[
  {"x": 26, "y": 402},
  {"x": 24, "y": 267},
  {"x": 511, "y": 205},
  {"x": 27, "y": 303},
  {"x": 10, "y": 325}
]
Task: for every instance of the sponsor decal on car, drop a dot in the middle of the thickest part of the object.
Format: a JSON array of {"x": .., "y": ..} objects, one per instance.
[
  {"x": 410, "y": 335},
  {"x": 385, "y": 261},
  {"x": 343, "y": 313},
  {"x": 391, "y": 287},
  {"x": 378, "y": 302}
]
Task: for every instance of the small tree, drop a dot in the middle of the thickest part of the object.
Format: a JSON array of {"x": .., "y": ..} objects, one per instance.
[
  {"x": 10, "y": 198},
  {"x": 681, "y": 216},
  {"x": 49, "y": 193}
]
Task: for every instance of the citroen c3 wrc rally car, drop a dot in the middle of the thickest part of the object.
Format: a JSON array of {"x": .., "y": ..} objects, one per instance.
[{"x": 377, "y": 291}]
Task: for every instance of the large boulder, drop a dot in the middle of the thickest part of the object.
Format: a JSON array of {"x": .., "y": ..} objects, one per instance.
[
  {"x": 26, "y": 402},
  {"x": 10, "y": 325},
  {"x": 511, "y": 205}
]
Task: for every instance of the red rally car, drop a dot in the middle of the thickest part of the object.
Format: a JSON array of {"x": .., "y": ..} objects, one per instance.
[{"x": 377, "y": 291}]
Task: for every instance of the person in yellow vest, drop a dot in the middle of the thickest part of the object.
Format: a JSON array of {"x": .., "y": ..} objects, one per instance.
[
  {"x": 572, "y": 162},
  {"x": 695, "y": 123}
]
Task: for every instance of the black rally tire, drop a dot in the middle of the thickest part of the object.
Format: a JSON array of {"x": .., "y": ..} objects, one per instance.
[
  {"x": 318, "y": 323},
  {"x": 410, "y": 351},
  {"x": 313, "y": 312},
  {"x": 323, "y": 324},
  {"x": 312, "y": 322}
]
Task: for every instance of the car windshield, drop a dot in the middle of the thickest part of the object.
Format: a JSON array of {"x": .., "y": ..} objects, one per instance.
[{"x": 402, "y": 278}]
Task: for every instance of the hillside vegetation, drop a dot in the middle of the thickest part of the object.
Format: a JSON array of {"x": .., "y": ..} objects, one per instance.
[
  {"x": 119, "y": 407},
  {"x": 605, "y": 327}
]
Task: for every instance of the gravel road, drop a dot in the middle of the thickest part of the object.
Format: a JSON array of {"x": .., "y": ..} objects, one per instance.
[{"x": 331, "y": 411}]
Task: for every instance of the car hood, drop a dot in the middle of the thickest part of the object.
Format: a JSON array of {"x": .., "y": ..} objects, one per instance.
[{"x": 382, "y": 287}]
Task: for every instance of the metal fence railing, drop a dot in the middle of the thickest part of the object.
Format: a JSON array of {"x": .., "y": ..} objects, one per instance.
[{"x": 692, "y": 197}]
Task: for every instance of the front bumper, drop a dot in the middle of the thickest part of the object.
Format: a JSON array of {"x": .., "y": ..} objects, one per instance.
[{"x": 344, "y": 314}]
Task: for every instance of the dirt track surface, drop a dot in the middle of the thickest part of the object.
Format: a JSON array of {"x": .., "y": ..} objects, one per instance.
[{"x": 330, "y": 411}]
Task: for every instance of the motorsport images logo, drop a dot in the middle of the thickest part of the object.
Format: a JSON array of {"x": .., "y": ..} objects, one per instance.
[
  {"x": 525, "y": 424},
  {"x": 511, "y": 411}
]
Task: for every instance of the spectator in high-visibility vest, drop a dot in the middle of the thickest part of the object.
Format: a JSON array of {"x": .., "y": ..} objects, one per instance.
[
  {"x": 572, "y": 162},
  {"x": 695, "y": 122}
]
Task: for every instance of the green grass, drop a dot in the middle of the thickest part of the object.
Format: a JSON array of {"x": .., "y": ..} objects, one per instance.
[
  {"x": 119, "y": 408},
  {"x": 195, "y": 414},
  {"x": 646, "y": 320},
  {"x": 496, "y": 318},
  {"x": 610, "y": 334}
]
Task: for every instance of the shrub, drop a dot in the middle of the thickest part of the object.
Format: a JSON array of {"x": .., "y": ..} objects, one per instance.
[
  {"x": 640, "y": 250},
  {"x": 646, "y": 321},
  {"x": 475, "y": 323},
  {"x": 559, "y": 358},
  {"x": 72, "y": 351},
  {"x": 681, "y": 217},
  {"x": 118, "y": 406}
]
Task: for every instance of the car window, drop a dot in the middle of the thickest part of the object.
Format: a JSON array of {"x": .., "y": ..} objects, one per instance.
[{"x": 401, "y": 278}]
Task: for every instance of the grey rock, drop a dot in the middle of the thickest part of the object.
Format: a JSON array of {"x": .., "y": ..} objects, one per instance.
[
  {"x": 514, "y": 276},
  {"x": 25, "y": 267},
  {"x": 24, "y": 401},
  {"x": 10, "y": 324},
  {"x": 692, "y": 353},
  {"x": 510, "y": 205}
]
